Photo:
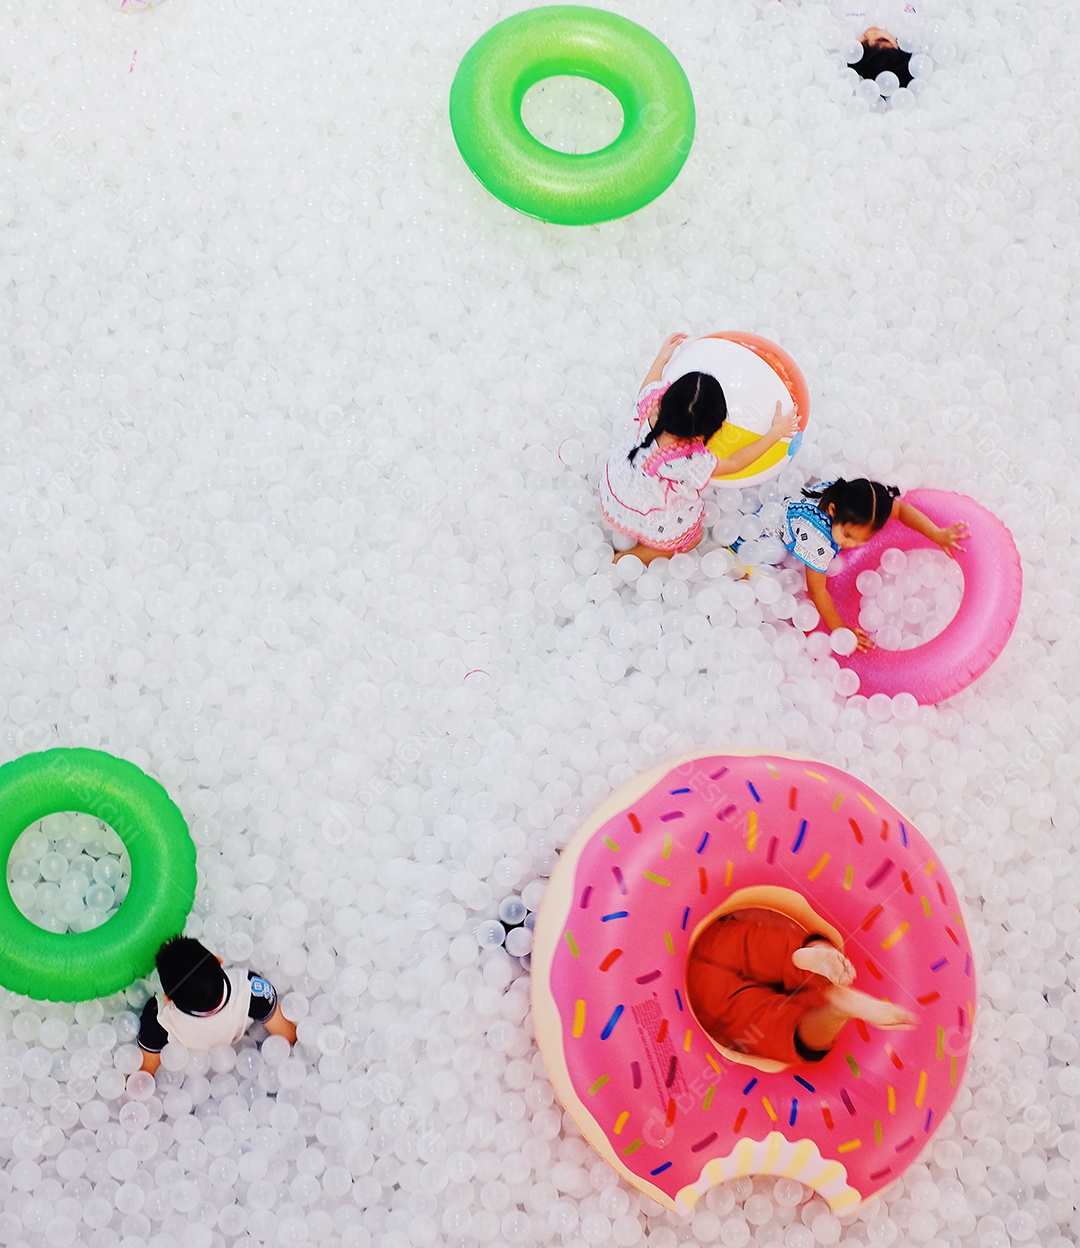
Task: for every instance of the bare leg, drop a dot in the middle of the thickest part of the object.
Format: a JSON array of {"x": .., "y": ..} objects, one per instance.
[
  {"x": 648, "y": 553},
  {"x": 820, "y": 1026}
]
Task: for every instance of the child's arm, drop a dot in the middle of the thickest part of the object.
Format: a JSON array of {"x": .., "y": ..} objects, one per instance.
[
  {"x": 150, "y": 1062},
  {"x": 817, "y": 588},
  {"x": 948, "y": 539},
  {"x": 278, "y": 1025},
  {"x": 667, "y": 350},
  {"x": 784, "y": 425}
]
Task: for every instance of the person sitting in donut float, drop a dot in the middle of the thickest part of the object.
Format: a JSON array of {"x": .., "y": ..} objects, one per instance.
[
  {"x": 759, "y": 984},
  {"x": 634, "y": 1040}
]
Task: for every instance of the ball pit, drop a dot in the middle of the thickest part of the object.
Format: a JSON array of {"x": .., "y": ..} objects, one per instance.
[{"x": 291, "y": 445}]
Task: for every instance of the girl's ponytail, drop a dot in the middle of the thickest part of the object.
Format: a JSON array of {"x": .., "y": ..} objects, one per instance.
[
  {"x": 883, "y": 501},
  {"x": 857, "y": 502},
  {"x": 653, "y": 434}
]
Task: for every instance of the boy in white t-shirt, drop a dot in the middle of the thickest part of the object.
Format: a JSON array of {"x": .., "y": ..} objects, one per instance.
[{"x": 205, "y": 1004}]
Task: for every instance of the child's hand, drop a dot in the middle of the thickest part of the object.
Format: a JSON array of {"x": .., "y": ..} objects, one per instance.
[
  {"x": 667, "y": 350},
  {"x": 866, "y": 642},
  {"x": 784, "y": 424},
  {"x": 670, "y": 344},
  {"x": 949, "y": 539}
]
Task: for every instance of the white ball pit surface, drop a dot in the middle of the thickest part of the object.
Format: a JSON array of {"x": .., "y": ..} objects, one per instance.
[{"x": 300, "y": 440}]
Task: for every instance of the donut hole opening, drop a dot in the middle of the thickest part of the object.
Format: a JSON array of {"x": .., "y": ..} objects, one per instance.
[
  {"x": 572, "y": 115},
  {"x": 769, "y": 903},
  {"x": 69, "y": 872},
  {"x": 910, "y": 597}
]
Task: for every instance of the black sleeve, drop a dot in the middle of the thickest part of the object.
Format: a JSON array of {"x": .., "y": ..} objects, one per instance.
[
  {"x": 263, "y": 998},
  {"x": 152, "y": 1036}
]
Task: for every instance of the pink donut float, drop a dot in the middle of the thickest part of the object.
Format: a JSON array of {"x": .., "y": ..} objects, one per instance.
[
  {"x": 976, "y": 635},
  {"x": 667, "y": 1107}
]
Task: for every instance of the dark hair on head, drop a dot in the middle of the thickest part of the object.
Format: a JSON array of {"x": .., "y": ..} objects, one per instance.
[
  {"x": 876, "y": 61},
  {"x": 693, "y": 406},
  {"x": 857, "y": 502},
  {"x": 191, "y": 977}
]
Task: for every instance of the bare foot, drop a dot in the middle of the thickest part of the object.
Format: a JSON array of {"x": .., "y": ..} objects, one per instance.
[
  {"x": 890, "y": 1017},
  {"x": 873, "y": 1010},
  {"x": 645, "y": 553},
  {"x": 827, "y": 961}
]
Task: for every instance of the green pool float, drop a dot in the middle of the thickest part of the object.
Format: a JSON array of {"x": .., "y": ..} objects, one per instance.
[
  {"x": 565, "y": 189},
  {"x": 84, "y": 965}
]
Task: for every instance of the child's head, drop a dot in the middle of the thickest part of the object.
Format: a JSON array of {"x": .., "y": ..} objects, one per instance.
[
  {"x": 693, "y": 406},
  {"x": 858, "y": 509},
  {"x": 191, "y": 977},
  {"x": 880, "y": 54}
]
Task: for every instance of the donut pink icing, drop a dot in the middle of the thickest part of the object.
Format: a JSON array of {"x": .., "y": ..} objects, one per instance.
[
  {"x": 659, "y": 1100},
  {"x": 975, "y": 636}
]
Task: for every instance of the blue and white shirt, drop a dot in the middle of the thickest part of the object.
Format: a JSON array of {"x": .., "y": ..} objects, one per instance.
[
  {"x": 806, "y": 531},
  {"x": 808, "y": 534}
]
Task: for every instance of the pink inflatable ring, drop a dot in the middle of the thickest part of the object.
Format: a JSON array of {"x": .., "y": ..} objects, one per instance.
[
  {"x": 667, "y": 1107},
  {"x": 975, "y": 636}
]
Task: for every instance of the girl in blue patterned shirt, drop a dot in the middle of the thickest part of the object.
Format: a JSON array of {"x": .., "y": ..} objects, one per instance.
[{"x": 843, "y": 514}]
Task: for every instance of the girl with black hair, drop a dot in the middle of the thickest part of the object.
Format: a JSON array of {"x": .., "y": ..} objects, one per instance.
[
  {"x": 652, "y": 485},
  {"x": 843, "y": 514}
]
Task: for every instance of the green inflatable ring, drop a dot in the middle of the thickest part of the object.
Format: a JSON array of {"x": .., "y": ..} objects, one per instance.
[
  {"x": 84, "y": 965},
  {"x": 642, "y": 74}
]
